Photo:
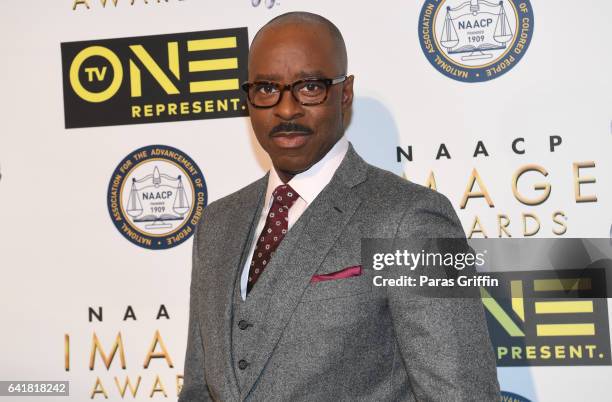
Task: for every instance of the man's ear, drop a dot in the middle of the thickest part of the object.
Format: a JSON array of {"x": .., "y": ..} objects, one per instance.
[{"x": 347, "y": 92}]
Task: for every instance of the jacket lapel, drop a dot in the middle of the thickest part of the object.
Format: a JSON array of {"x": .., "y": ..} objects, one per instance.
[
  {"x": 246, "y": 209},
  {"x": 301, "y": 253}
]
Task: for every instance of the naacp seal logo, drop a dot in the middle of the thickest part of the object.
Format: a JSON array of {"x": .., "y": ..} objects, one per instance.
[
  {"x": 156, "y": 196},
  {"x": 475, "y": 40}
]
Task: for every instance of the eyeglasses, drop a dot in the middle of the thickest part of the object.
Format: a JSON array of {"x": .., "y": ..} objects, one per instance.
[{"x": 307, "y": 92}]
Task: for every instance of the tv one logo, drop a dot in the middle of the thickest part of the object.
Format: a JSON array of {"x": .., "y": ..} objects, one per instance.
[
  {"x": 549, "y": 318},
  {"x": 161, "y": 78}
]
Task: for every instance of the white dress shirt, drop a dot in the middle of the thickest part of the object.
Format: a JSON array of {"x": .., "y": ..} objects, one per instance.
[{"x": 308, "y": 185}]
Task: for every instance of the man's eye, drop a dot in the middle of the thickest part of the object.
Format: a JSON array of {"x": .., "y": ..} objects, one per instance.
[
  {"x": 313, "y": 87},
  {"x": 266, "y": 89}
]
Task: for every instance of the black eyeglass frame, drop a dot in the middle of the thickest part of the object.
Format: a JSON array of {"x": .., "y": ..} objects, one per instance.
[{"x": 329, "y": 82}]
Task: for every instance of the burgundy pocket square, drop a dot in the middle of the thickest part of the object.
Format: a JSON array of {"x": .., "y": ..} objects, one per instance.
[{"x": 342, "y": 274}]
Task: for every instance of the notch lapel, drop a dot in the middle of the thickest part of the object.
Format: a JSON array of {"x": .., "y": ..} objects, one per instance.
[{"x": 231, "y": 253}]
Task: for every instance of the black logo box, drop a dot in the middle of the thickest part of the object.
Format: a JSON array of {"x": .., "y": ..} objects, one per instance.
[{"x": 196, "y": 57}]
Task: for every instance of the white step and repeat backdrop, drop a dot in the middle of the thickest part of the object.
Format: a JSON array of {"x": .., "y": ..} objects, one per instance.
[{"x": 122, "y": 119}]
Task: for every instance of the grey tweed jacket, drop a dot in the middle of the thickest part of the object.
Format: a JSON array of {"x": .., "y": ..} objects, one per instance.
[{"x": 336, "y": 340}]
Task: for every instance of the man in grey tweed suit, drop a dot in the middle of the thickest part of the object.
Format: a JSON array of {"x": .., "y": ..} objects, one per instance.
[{"x": 281, "y": 309}]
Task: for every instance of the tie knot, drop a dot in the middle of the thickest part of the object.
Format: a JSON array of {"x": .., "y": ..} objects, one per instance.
[{"x": 285, "y": 195}]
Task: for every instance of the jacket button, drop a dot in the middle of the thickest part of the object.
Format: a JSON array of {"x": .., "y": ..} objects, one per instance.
[
  {"x": 242, "y": 324},
  {"x": 242, "y": 364}
]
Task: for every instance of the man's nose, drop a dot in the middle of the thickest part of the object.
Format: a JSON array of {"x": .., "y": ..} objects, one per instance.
[{"x": 288, "y": 108}]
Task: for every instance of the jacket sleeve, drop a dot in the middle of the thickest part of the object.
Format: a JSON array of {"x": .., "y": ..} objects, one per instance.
[
  {"x": 444, "y": 342},
  {"x": 194, "y": 381}
]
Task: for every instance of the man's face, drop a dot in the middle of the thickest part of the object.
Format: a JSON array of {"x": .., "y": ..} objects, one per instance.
[{"x": 297, "y": 136}]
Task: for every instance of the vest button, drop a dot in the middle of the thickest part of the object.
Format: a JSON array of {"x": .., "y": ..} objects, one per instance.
[
  {"x": 243, "y": 364},
  {"x": 242, "y": 324}
]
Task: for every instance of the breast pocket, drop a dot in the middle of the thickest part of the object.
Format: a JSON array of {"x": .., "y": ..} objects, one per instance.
[{"x": 336, "y": 288}]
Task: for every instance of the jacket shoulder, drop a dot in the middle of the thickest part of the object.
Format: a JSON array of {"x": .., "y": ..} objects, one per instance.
[
  {"x": 216, "y": 214},
  {"x": 400, "y": 190},
  {"x": 237, "y": 198},
  {"x": 413, "y": 207}
]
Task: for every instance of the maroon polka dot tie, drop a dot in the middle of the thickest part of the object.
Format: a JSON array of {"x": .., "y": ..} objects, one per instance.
[{"x": 277, "y": 223}]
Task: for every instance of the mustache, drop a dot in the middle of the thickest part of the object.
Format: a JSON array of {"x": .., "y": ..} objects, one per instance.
[{"x": 290, "y": 127}]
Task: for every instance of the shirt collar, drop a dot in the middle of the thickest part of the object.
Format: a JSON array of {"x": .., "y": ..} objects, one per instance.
[{"x": 310, "y": 183}]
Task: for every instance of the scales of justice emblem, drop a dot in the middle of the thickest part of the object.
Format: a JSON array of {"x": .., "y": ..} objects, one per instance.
[
  {"x": 157, "y": 199},
  {"x": 475, "y": 31},
  {"x": 156, "y": 196}
]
